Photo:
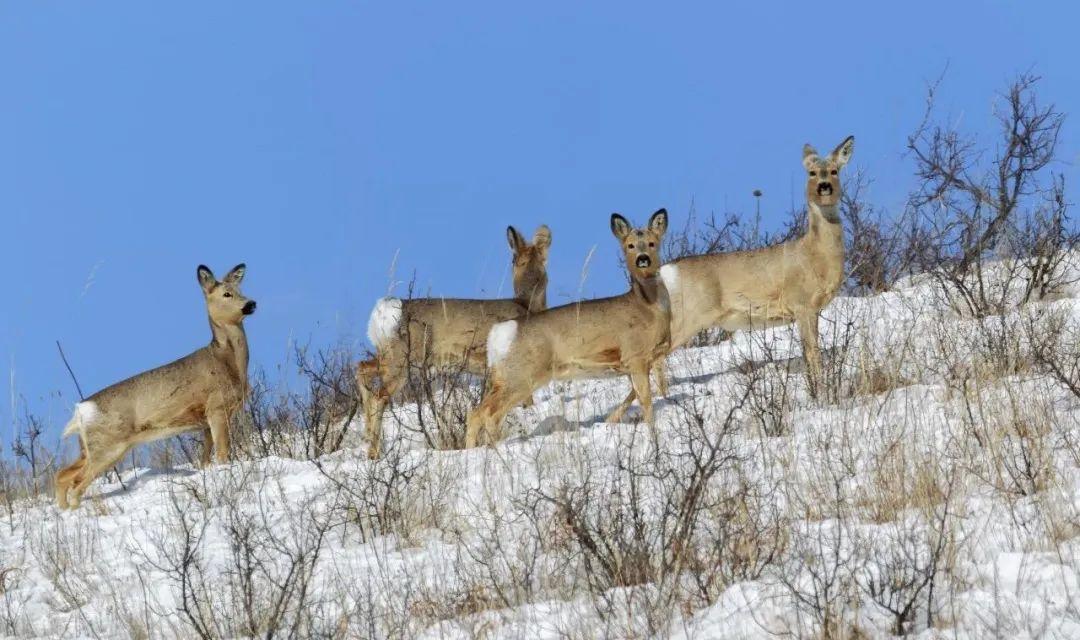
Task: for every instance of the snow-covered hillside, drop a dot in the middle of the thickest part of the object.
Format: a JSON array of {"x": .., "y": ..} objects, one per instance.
[{"x": 935, "y": 490}]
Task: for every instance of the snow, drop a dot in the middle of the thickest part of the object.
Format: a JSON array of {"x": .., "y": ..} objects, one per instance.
[{"x": 460, "y": 544}]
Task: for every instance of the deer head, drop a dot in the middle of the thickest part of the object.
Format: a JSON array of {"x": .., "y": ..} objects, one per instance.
[
  {"x": 641, "y": 246},
  {"x": 530, "y": 266},
  {"x": 823, "y": 174},
  {"x": 224, "y": 302}
]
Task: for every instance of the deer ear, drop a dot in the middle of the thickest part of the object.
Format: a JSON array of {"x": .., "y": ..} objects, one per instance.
[
  {"x": 236, "y": 275},
  {"x": 809, "y": 157},
  {"x": 619, "y": 226},
  {"x": 842, "y": 153},
  {"x": 542, "y": 238},
  {"x": 658, "y": 222},
  {"x": 515, "y": 240},
  {"x": 206, "y": 277}
]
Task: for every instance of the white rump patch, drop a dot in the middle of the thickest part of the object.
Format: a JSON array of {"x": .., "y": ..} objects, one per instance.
[
  {"x": 669, "y": 273},
  {"x": 86, "y": 413},
  {"x": 499, "y": 340},
  {"x": 384, "y": 320}
]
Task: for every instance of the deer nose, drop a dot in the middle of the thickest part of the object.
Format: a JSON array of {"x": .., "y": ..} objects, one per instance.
[
  {"x": 824, "y": 189},
  {"x": 249, "y": 307},
  {"x": 643, "y": 261}
]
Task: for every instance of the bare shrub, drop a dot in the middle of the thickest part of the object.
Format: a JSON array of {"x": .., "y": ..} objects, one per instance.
[
  {"x": 14, "y": 620},
  {"x": 444, "y": 396},
  {"x": 875, "y": 255},
  {"x": 904, "y": 559},
  {"x": 635, "y": 527},
  {"x": 1055, "y": 342},
  {"x": 266, "y": 585},
  {"x": 1016, "y": 438},
  {"x": 821, "y": 580},
  {"x": 972, "y": 205},
  {"x": 304, "y": 424},
  {"x": 402, "y": 494}
]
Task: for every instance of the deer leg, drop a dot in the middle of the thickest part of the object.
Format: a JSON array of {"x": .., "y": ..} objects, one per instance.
[
  {"x": 478, "y": 419},
  {"x": 373, "y": 403},
  {"x": 640, "y": 380},
  {"x": 659, "y": 371},
  {"x": 67, "y": 477},
  {"x": 219, "y": 430},
  {"x": 807, "y": 322},
  {"x": 95, "y": 465},
  {"x": 207, "y": 448},
  {"x": 617, "y": 414},
  {"x": 487, "y": 418},
  {"x": 391, "y": 367}
]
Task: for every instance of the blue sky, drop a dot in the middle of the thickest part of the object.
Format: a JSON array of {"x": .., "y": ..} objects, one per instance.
[{"x": 316, "y": 141}]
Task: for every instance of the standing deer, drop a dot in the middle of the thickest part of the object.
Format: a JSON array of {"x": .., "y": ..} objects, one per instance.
[
  {"x": 622, "y": 334},
  {"x": 773, "y": 285},
  {"x": 444, "y": 332},
  {"x": 202, "y": 390}
]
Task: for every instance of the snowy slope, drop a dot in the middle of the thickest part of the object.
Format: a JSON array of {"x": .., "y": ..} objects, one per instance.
[{"x": 941, "y": 475}]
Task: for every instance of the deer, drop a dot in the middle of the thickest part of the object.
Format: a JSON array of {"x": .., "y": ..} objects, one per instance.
[
  {"x": 201, "y": 391},
  {"x": 772, "y": 286},
  {"x": 623, "y": 334},
  {"x": 444, "y": 332}
]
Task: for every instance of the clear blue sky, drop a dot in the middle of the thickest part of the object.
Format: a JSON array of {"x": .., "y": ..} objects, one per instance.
[{"x": 316, "y": 140}]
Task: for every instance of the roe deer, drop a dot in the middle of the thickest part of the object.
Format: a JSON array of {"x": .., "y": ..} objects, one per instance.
[
  {"x": 622, "y": 334},
  {"x": 444, "y": 332},
  {"x": 773, "y": 285},
  {"x": 202, "y": 390}
]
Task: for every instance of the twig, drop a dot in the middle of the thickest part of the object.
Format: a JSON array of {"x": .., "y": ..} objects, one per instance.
[
  {"x": 83, "y": 398},
  {"x": 70, "y": 372}
]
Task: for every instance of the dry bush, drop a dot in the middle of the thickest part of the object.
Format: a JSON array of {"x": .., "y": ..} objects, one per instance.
[
  {"x": 991, "y": 225},
  {"x": 1014, "y": 434},
  {"x": 1054, "y": 337},
  {"x": 771, "y": 385},
  {"x": 857, "y": 367},
  {"x": 305, "y": 424},
  {"x": 904, "y": 562},
  {"x": 402, "y": 494},
  {"x": 27, "y": 476},
  {"x": 265, "y": 586},
  {"x": 820, "y": 579},
  {"x": 636, "y": 529},
  {"x": 444, "y": 396},
  {"x": 873, "y": 255}
]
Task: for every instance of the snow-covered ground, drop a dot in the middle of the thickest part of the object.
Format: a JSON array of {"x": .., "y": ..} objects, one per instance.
[{"x": 934, "y": 489}]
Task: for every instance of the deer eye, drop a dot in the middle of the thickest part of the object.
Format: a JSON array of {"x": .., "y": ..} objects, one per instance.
[
  {"x": 630, "y": 246},
  {"x": 813, "y": 173},
  {"x": 226, "y": 295},
  {"x": 652, "y": 244},
  {"x": 833, "y": 172}
]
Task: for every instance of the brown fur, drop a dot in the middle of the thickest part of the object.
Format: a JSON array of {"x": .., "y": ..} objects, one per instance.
[
  {"x": 201, "y": 391},
  {"x": 450, "y": 333},
  {"x": 774, "y": 285},
  {"x": 622, "y": 334}
]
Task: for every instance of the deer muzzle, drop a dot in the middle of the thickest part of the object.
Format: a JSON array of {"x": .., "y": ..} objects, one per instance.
[
  {"x": 249, "y": 308},
  {"x": 643, "y": 261}
]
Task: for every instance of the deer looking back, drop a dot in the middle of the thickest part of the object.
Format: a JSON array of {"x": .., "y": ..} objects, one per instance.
[
  {"x": 201, "y": 391},
  {"x": 444, "y": 332},
  {"x": 622, "y": 334}
]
